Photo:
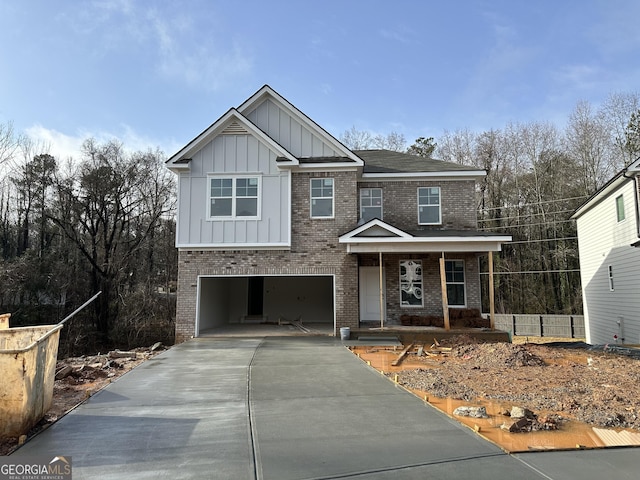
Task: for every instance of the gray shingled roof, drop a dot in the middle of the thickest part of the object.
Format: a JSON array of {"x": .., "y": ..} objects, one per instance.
[{"x": 387, "y": 161}]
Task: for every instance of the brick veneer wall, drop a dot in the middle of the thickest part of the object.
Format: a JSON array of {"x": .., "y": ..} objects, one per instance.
[
  {"x": 400, "y": 203},
  {"x": 314, "y": 251},
  {"x": 432, "y": 293}
]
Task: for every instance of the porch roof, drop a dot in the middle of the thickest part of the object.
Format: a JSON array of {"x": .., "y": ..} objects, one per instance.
[{"x": 377, "y": 236}]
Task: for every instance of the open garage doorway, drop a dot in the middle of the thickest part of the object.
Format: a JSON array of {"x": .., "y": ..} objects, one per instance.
[{"x": 242, "y": 304}]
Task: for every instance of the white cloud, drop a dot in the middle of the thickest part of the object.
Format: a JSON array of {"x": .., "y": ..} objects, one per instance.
[
  {"x": 64, "y": 146},
  {"x": 197, "y": 61}
]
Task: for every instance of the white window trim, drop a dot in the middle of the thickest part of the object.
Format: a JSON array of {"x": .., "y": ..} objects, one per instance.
[
  {"x": 439, "y": 222},
  {"x": 381, "y": 201},
  {"x": 312, "y": 198},
  {"x": 463, "y": 283},
  {"x": 233, "y": 216},
  {"x": 620, "y": 211},
  {"x": 402, "y": 305}
]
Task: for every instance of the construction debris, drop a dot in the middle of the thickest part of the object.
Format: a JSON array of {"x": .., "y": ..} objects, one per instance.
[{"x": 404, "y": 352}]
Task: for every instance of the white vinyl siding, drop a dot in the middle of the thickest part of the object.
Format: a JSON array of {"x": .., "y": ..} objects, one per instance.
[
  {"x": 604, "y": 242},
  {"x": 288, "y": 131},
  {"x": 429, "y": 211},
  {"x": 321, "y": 198},
  {"x": 234, "y": 156}
]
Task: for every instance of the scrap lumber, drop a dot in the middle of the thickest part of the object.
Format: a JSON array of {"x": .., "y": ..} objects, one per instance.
[{"x": 404, "y": 352}]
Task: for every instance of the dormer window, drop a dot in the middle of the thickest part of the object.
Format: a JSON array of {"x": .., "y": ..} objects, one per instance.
[{"x": 233, "y": 197}]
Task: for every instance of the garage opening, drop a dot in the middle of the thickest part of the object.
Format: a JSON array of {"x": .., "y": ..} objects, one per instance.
[{"x": 264, "y": 300}]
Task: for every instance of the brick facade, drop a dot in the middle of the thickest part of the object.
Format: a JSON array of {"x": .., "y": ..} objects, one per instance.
[
  {"x": 400, "y": 205},
  {"x": 315, "y": 249}
]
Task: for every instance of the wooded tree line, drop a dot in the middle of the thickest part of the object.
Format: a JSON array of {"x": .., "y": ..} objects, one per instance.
[
  {"x": 537, "y": 175},
  {"x": 68, "y": 229},
  {"x": 106, "y": 221}
]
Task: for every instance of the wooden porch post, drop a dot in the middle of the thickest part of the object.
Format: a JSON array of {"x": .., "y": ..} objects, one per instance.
[
  {"x": 381, "y": 294},
  {"x": 445, "y": 300},
  {"x": 492, "y": 306}
]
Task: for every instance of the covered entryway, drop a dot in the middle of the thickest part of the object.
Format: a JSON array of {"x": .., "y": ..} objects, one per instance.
[
  {"x": 264, "y": 300},
  {"x": 370, "y": 295}
]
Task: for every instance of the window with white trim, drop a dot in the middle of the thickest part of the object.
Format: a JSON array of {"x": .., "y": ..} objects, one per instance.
[
  {"x": 411, "y": 283},
  {"x": 321, "y": 198},
  {"x": 234, "y": 197},
  {"x": 620, "y": 208},
  {"x": 370, "y": 203},
  {"x": 429, "y": 212},
  {"x": 454, "y": 273}
]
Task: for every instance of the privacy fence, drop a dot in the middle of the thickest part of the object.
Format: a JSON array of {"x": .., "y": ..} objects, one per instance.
[{"x": 564, "y": 326}]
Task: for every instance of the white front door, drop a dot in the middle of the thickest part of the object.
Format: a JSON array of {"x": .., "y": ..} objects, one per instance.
[{"x": 370, "y": 294}]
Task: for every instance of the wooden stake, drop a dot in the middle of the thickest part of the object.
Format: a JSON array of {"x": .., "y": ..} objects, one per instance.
[
  {"x": 397, "y": 361},
  {"x": 445, "y": 301},
  {"x": 492, "y": 306}
]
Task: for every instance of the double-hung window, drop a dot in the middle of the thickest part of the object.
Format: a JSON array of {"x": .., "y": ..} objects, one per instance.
[
  {"x": 234, "y": 197},
  {"x": 322, "y": 198},
  {"x": 370, "y": 203},
  {"x": 429, "y": 212},
  {"x": 454, "y": 273}
]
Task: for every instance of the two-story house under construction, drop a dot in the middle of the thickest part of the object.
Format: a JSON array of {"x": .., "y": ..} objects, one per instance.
[{"x": 278, "y": 219}]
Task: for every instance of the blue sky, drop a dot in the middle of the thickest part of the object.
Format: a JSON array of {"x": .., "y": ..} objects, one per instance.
[{"x": 157, "y": 73}]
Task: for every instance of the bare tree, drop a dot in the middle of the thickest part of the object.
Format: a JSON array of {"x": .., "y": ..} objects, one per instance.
[{"x": 588, "y": 141}]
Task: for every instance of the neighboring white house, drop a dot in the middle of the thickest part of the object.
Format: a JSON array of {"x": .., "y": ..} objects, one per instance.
[{"x": 609, "y": 247}]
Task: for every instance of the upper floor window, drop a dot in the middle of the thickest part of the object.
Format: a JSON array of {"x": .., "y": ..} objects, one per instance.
[
  {"x": 234, "y": 197},
  {"x": 429, "y": 212},
  {"x": 620, "y": 207},
  {"x": 322, "y": 198},
  {"x": 454, "y": 273},
  {"x": 370, "y": 203}
]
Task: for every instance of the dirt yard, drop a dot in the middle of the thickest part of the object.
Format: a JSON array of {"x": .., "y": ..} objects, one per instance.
[
  {"x": 558, "y": 385},
  {"x": 80, "y": 378}
]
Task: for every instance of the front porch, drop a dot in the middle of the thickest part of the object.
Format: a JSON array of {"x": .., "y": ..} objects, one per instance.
[{"x": 405, "y": 335}]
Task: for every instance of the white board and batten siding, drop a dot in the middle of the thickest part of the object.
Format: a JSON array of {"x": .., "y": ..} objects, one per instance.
[
  {"x": 234, "y": 155},
  {"x": 605, "y": 243},
  {"x": 289, "y": 132}
]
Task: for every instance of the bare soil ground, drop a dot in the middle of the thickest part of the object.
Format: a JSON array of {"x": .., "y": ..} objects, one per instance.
[
  {"x": 85, "y": 376},
  {"x": 599, "y": 388}
]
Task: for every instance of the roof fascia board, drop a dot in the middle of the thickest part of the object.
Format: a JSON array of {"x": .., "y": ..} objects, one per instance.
[
  {"x": 615, "y": 183},
  {"x": 426, "y": 240},
  {"x": 370, "y": 224},
  {"x": 454, "y": 175},
  {"x": 422, "y": 247},
  {"x": 267, "y": 91},
  {"x": 208, "y": 134}
]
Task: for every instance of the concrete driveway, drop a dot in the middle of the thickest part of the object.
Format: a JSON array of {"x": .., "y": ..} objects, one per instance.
[{"x": 280, "y": 408}]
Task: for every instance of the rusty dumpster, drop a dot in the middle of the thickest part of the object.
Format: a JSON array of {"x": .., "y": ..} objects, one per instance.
[{"x": 27, "y": 372}]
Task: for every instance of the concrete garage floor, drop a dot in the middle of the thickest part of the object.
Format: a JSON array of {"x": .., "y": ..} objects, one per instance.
[{"x": 279, "y": 408}]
